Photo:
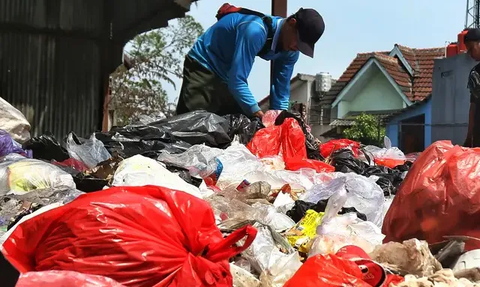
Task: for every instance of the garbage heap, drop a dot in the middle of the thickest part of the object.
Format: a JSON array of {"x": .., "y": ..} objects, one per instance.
[{"x": 204, "y": 200}]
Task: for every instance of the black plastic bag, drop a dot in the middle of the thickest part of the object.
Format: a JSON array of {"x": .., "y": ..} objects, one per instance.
[
  {"x": 197, "y": 127},
  {"x": 344, "y": 161},
  {"x": 46, "y": 147},
  {"x": 184, "y": 174},
  {"x": 8, "y": 275},
  {"x": 313, "y": 150},
  {"x": 300, "y": 209},
  {"x": 241, "y": 126}
]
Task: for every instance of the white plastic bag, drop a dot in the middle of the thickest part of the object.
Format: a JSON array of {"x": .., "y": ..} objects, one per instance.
[
  {"x": 140, "y": 171},
  {"x": 336, "y": 232},
  {"x": 362, "y": 193},
  {"x": 91, "y": 152},
  {"x": 19, "y": 175},
  {"x": 14, "y": 122},
  {"x": 282, "y": 271}
]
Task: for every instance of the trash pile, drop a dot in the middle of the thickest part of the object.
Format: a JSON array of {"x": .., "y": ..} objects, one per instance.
[{"x": 204, "y": 200}]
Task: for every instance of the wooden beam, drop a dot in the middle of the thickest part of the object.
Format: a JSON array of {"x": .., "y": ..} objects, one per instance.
[{"x": 279, "y": 8}]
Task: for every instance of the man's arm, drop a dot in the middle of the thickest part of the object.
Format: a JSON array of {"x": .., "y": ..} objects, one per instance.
[
  {"x": 250, "y": 39},
  {"x": 471, "y": 119},
  {"x": 282, "y": 74}
]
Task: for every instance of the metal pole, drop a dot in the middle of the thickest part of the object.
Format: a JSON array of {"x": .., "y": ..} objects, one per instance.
[{"x": 279, "y": 8}]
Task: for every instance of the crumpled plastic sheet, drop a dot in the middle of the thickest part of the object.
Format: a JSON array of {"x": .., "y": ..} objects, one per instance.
[
  {"x": 264, "y": 252},
  {"x": 140, "y": 171},
  {"x": 91, "y": 152},
  {"x": 196, "y": 159},
  {"x": 20, "y": 175},
  {"x": 12, "y": 205},
  {"x": 55, "y": 278},
  {"x": 362, "y": 193},
  {"x": 242, "y": 128}
]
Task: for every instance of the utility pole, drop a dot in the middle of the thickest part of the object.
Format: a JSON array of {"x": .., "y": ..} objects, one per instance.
[
  {"x": 472, "y": 17},
  {"x": 279, "y": 8}
]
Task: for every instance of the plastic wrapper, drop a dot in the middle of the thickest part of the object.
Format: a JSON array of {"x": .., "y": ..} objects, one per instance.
[
  {"x": 363, "y": 194},
  {"x": 139, "y": 171},
  {"x": 439, "y": 197},
  {"x": 327, "y": 149},
  {"x": 328, "y": 271},
  {"x": 63, "y": 279},
  {"x": 14, "y": 122},
  {"x": 304, "y": 231},
  {"x": 46, "y": 147},
  {"x": 241, "y": 127},
  {"x": 8, "y": 145},
  {"x": 20, "y": 175},
  {"x": 116, "y": 233},
  {"x": 91, "y": 152}
]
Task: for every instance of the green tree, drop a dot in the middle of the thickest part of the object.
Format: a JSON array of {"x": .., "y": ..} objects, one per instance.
[
  {"x": 157, "y": 57},
  {"x": 366, "y": 130}
]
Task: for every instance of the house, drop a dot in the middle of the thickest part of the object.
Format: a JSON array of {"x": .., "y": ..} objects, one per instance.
[
  {"x": 306, "y": 92},
  {"x": 443, "y": 115},
  {"x": 380, "y": 83}
]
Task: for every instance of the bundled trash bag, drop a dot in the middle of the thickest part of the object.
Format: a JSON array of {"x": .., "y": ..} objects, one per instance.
[
  {"x": 440, "y": 196},
  {"x": 55, "y": 278},
  {"x": 46, "y": 147},
  {"x": 20, "y": 175},
  {"x": 288, "y": 140},
  {"x": 138, "y": 236},
  {"x": 311, "y": 144},
  {"x": 241, "y": 126},
  {"x": 91, "y": 152},
  {"x": 8, "y": 145},
  {"x": 327, "y": 149},
  {"x": 14, "y": 122},
  {"x": 197, "y": 127},
  {"x": 139, "y": 171}
]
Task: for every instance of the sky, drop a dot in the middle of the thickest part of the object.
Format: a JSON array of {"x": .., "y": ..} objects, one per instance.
[{"x": 351, "y": 27}]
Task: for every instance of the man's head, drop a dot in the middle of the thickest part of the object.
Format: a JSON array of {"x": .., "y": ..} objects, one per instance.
[
  {"x": 472, "y": 41},
  {"x": 301, "y": 31}
]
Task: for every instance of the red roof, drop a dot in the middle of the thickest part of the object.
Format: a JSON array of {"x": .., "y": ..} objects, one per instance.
[{"x": 416, "y": 87}]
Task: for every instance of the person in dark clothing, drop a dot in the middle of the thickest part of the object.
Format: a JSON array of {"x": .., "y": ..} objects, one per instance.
[
  {"x": 217, "y": 67},
  {"x": 472, "y": 41}
]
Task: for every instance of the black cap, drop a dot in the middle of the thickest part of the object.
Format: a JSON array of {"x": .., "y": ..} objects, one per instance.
[
  {"x": 310, "y": 28},
  {"x": 473, "y": 35}
]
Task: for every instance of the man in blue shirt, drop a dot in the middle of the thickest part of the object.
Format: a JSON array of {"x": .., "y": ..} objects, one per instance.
[{"x": 217, "y": 68}]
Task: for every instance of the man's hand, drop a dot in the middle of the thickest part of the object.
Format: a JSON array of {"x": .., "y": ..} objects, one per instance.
[{"x": 259, "y": 114}]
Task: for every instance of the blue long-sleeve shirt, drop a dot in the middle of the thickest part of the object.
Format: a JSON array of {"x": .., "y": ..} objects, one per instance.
[{"x": 229, "y": 48}]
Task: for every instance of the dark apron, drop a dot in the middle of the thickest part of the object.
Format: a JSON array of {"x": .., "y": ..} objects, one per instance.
[{"x": 202, "y": 89}]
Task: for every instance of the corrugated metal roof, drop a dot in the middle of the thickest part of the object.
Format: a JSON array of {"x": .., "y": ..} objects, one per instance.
[{"x": 56, "y": 55}]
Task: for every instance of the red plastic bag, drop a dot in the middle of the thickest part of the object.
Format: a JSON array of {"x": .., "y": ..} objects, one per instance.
[
  {"x": 328, "y": 271},
  {"x": 440, "y": 196},
  {"x": 73, "y": 163},
  {"x": 319, "y": 166},
  {"x": 288, "y": 140},
  {"x": 328, "y": 148},
  {"x": 138, "y": 236},
  {"x": 64, "y": 279}
]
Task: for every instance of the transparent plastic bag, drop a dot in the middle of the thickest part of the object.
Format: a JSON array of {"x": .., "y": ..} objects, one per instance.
[
  {"x": 195, "y": 159},
  {"x": 388, "y": 156},
  {"x": 91, "y": 152},
  {"x": 19, "y": 175},
  {"x": 282, "y": 271},
  {"x": 337, "y": 231},
  {"x": 64, "y": 279},
  {"x": 362, "y": 193},
  {"x": 140, "y": 171}
]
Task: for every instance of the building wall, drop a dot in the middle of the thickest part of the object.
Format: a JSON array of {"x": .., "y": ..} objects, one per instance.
[
  {"x": 451, "y": 98},
  {"x": 377, "y": 95},
  {"x": 394, "y": 125}
]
